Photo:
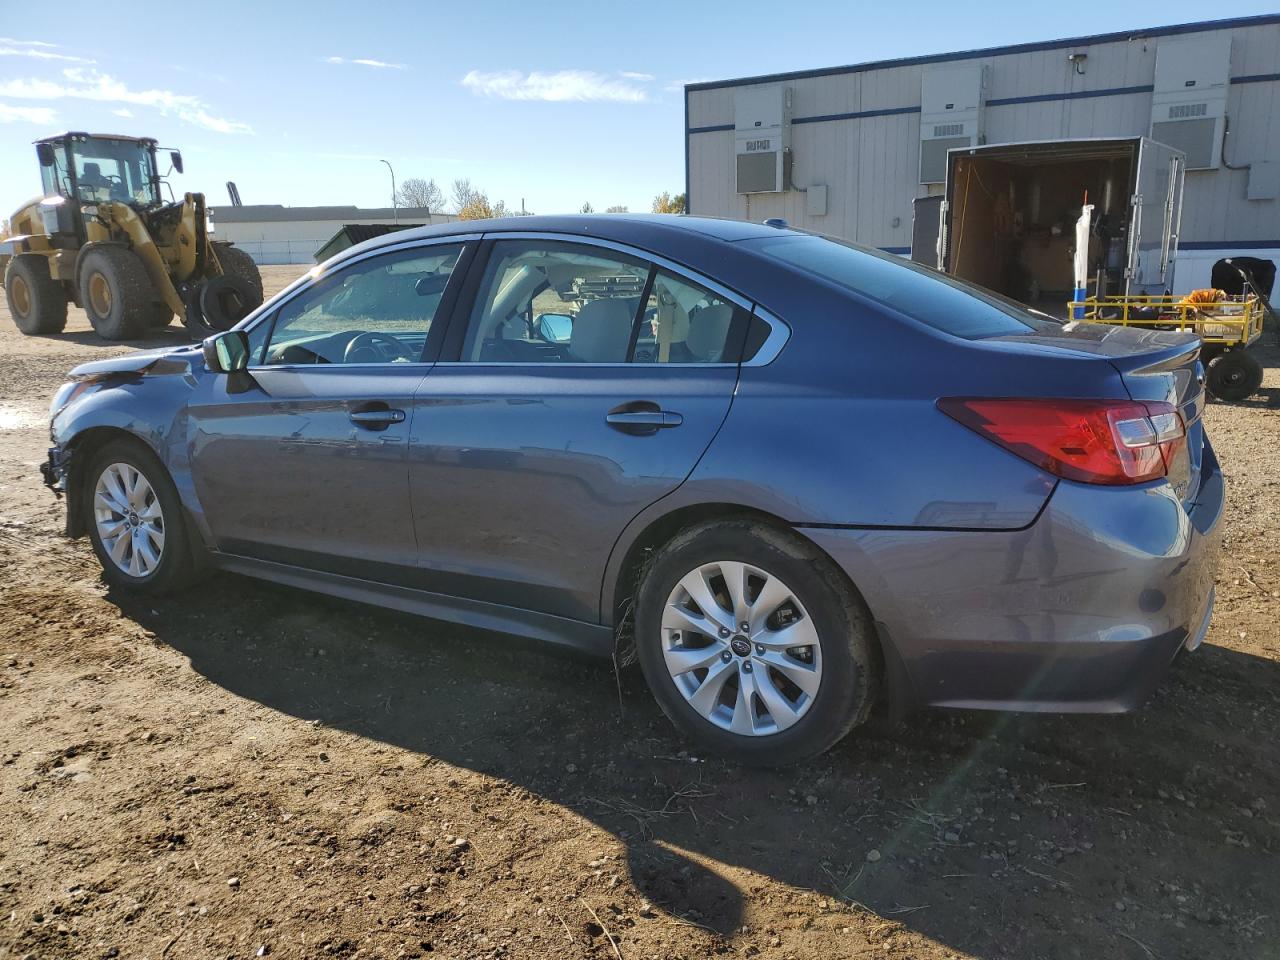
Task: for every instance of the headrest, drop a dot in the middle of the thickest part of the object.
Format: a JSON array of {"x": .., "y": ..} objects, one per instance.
[
  {"x": 708, "y": 330},
  {"x": 601, "y": 332}
]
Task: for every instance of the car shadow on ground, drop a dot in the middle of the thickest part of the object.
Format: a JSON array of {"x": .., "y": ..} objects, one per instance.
[
  {"x": 174, "y": 335},
  {"x": 1156, "y": 829}
]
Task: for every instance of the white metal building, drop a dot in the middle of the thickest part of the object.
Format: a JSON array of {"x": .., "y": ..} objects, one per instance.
[
  {"x": 847, "y": 150},
  {"x": 271, "y": 233}
]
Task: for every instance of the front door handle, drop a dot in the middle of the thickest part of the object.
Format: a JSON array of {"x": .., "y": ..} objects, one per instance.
[
  {"x": 642, "y": 418},
  {"x": 378, "y": 419}
]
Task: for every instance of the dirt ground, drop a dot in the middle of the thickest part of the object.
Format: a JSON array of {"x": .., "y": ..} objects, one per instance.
[{"x": 246, "y": 770}]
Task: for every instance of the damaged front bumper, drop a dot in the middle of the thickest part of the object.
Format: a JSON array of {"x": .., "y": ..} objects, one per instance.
[
  {"x": 55, "y": 470},
  {"x": 57, "y": 476}
]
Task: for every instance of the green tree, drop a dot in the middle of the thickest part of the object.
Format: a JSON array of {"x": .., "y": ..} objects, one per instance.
[
  {"x": 666, "y": 203},
  {"x": 478, "y": 207},
  {"x": 587, "y": 208},
  {"x": 616, "y": 209}
]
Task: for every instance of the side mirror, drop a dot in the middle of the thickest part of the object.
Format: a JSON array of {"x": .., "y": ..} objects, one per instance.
[
  {"x": 226, "y": 352},
  {"x": 45, "y": 152},
  {"x": 554, "y": 327},
  {"x": 175, "y": 157}
]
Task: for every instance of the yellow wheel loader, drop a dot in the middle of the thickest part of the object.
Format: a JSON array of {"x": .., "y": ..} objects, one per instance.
[{"x": 102, "y": 237}]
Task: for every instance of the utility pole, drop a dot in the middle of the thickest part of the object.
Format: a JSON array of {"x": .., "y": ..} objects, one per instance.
[{"x": 395, "y": 210}]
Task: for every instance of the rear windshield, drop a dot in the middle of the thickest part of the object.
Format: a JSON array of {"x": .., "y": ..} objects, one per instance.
[{"x": 928, "y": 296}]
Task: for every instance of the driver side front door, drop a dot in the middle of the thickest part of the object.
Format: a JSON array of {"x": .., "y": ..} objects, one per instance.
[{"x": 304, "y": 459}]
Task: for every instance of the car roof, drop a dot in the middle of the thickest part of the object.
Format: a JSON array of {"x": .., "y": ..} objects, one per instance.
[{"x": 660, "y": 233}]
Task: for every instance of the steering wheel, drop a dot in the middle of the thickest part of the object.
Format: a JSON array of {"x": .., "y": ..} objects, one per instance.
[{"x": 385, "y": 347}]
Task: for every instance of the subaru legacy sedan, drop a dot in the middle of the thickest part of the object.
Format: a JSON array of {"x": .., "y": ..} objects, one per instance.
[{"x": 790, "y": 476}]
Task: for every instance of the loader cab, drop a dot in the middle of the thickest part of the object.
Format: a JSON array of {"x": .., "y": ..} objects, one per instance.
[{"x": 95, "y": 169}]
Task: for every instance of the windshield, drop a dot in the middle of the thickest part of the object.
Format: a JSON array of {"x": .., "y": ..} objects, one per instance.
[
  {"x": 932, "y": 298},
  {"x": 114, "y": 170}
]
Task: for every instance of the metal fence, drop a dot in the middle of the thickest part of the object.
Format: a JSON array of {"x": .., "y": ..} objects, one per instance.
[{"x": 281, "y": 251}]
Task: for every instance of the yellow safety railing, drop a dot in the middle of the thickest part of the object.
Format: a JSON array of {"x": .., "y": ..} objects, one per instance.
[{"x": 1232, "y": 321}]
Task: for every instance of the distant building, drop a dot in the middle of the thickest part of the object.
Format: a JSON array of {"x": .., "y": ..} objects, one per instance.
[
  {"x": 857, "y": 151},
  {"x": 272, "y": 233}
]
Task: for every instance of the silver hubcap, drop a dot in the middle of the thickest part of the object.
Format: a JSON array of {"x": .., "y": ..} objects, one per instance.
[
  {"x": 130, "y": 523},
  {"x": 741, "y": 648}
]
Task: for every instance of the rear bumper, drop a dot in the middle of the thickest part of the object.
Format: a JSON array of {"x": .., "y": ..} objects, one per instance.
[{"x": 1081, "y": 612}]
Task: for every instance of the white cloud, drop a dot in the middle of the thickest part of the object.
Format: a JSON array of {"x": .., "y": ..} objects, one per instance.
[
  {"x": 123, "y": 112},
  {"x": 25, "y": 43},
  {"x": 632, "y": 75},
  {"x": 40, "y": 115},
  {"x": 41, "y": 54},
  {"x": 81, "y": 84},
  {"x": 560, "y": 85},
  {"x": 366, "y": 62}
]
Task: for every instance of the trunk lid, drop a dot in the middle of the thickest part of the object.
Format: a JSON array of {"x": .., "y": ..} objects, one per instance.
[{"x": 1154, "y": 365}]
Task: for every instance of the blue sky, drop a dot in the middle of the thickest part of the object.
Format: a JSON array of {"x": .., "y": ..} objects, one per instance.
[{"x": 555, "y": 103}]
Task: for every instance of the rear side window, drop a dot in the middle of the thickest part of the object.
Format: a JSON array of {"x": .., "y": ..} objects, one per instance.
[
  {"x": 932, "y": 298},
  {"x": 549, "y": 301}
]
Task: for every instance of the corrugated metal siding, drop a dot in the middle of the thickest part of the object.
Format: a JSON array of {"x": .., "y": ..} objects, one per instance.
[{"x": 870, "y": 164}]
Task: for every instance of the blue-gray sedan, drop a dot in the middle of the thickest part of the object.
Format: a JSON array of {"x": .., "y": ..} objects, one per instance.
[{"x": 790, "y": 476}]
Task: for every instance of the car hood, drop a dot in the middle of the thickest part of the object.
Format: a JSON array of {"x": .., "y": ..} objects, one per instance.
[{"x": 164, "y": 360}]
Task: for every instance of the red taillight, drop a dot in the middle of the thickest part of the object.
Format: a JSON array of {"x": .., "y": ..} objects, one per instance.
[{"x": 1093, "y": 441}]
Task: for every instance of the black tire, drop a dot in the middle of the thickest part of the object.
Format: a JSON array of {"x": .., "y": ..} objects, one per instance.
[
  {"x": 225, "y": 301},
  {"x": 1234, "y": 375},
  {"x": 116, "y": 293},
  {"x": 193, "y": 317},
  {"x": 236, "y": 263},
  {"x": 37, "y": 302},
  {"x": 175, "y": 568},
  {"x": 849, "y": 653},
  {"x": 159, "y": 316}
]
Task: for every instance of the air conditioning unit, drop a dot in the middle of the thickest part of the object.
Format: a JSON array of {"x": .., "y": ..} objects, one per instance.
[
  {"x": 762, "y": 139},
  {"x": 951, "y": 110},
  {"x": 1189, "y": 102}
]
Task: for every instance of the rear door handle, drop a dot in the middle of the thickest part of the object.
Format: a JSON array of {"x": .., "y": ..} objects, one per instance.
[
  {"x": 647, "y": 420},
  {"x": 376, "y": 419}
]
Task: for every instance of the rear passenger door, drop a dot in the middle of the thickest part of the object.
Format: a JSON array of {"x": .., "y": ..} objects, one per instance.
[{"x": 583, "y": 384}]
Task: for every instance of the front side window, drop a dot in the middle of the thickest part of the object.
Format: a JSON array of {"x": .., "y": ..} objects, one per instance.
[
  {"x": 55, "y": 179},
  {"x": 378, "y": 310}
]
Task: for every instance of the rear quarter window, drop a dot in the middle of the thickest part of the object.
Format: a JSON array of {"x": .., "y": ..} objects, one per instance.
[{"x": 932, "y": 298}]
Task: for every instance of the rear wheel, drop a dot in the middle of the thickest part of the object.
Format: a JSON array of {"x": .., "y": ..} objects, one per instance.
[
  {"x": 1234, "y": 375},
  {"x": 116, "y": 293},
  {"x": 753, "y": 642},
  {"x": 236, "y": 263},
  {"x": 36, "y": 301},
  {"x": 135, "y": 519}
]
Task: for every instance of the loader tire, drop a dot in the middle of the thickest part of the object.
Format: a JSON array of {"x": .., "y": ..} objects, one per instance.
[
  {"x": 159, "y": 316},
  {"x": 116, "y": 293},
  {"x": 36, "y": 301},
  {"x": 236, "y": 263},
  {"x": 225, "y": 301}
]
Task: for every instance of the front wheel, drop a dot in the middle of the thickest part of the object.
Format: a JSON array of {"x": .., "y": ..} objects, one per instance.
[
  {"x": 135, "y": 520},
  {"x": 116, "y": 292},
  {"x": 753, "y": 642}
]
